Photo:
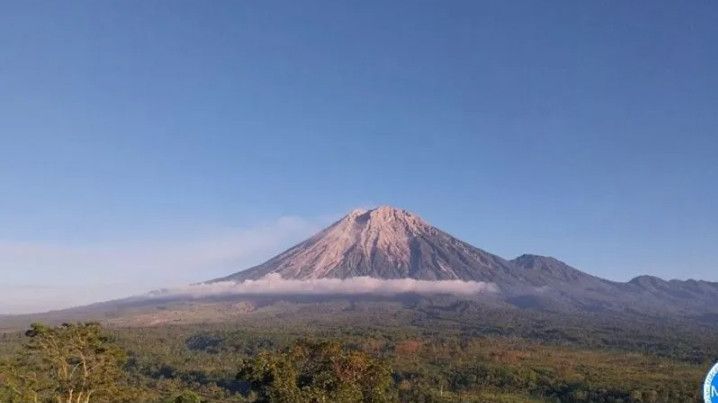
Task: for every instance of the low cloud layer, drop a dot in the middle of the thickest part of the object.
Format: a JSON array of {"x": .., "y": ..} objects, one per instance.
[{"x": 274, "y": 284}]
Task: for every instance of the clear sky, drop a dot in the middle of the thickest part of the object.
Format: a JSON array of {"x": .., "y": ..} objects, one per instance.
[{"x": 151, "y": 143}]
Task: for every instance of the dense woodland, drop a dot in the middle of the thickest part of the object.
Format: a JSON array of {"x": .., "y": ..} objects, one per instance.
[{"x": 367, "y": 355}]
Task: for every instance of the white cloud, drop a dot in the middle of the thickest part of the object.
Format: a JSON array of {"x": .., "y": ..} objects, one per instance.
[
  {"x": 43, "y": 276},
  {"x": 274, "y": 284}
]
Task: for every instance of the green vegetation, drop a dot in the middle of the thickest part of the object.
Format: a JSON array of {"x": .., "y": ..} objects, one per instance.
[
  {"x": 370, "y": 355},
  {"x": 69, "y": 363},
  {"x": 317, "y": 372}
]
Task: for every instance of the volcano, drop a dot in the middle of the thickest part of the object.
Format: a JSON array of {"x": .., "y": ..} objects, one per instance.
[
  {"x": 391, "y": 243},
  {"x": 386, "y": 243},
  {"x": 389, "y": 257}
]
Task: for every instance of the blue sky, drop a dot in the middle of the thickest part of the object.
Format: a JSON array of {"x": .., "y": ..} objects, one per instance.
[{"x": 157, "y": 143}]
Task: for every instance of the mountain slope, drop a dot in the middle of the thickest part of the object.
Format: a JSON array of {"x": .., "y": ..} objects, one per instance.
[
  {"x": 385, "y": 243},
  {"x": 391, "y": 243}
]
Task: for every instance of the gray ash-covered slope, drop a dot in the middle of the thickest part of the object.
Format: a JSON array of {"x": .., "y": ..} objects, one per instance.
[
  {"x": 385, "y": 243},
  {"x": 391, "y": 243}
]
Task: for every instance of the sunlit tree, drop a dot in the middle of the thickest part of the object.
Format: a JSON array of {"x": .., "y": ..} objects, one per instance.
[
  {"x": 71, "y": 363},
  {"x": 318, "y": 372}
]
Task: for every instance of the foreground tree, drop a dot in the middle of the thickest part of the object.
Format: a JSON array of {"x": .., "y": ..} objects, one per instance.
[
  {"x": 71, "y": 363},
  {"x": 317, "y": 372}
]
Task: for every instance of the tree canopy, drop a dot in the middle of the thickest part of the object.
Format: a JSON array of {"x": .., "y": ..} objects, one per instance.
[
  {"x": 317, "y": 372},
  {"x": 71, "y": 363}
]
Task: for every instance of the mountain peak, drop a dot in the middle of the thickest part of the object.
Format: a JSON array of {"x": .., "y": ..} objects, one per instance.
[
  {"x": 386, "y": 218},
  {"x": 383, "y": 242},
  {"x": 356, "y": 212},
  {"x": 529, "y": 259},
  {"x": 383, "y": 210},
  {"x": 549, "y": 268},
  {"x": 387, "y": 209},
  {"x": 648, "y": 281}
]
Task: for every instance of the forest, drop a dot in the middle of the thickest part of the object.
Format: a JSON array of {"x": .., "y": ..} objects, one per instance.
[{"x": 363, "y": 356}]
